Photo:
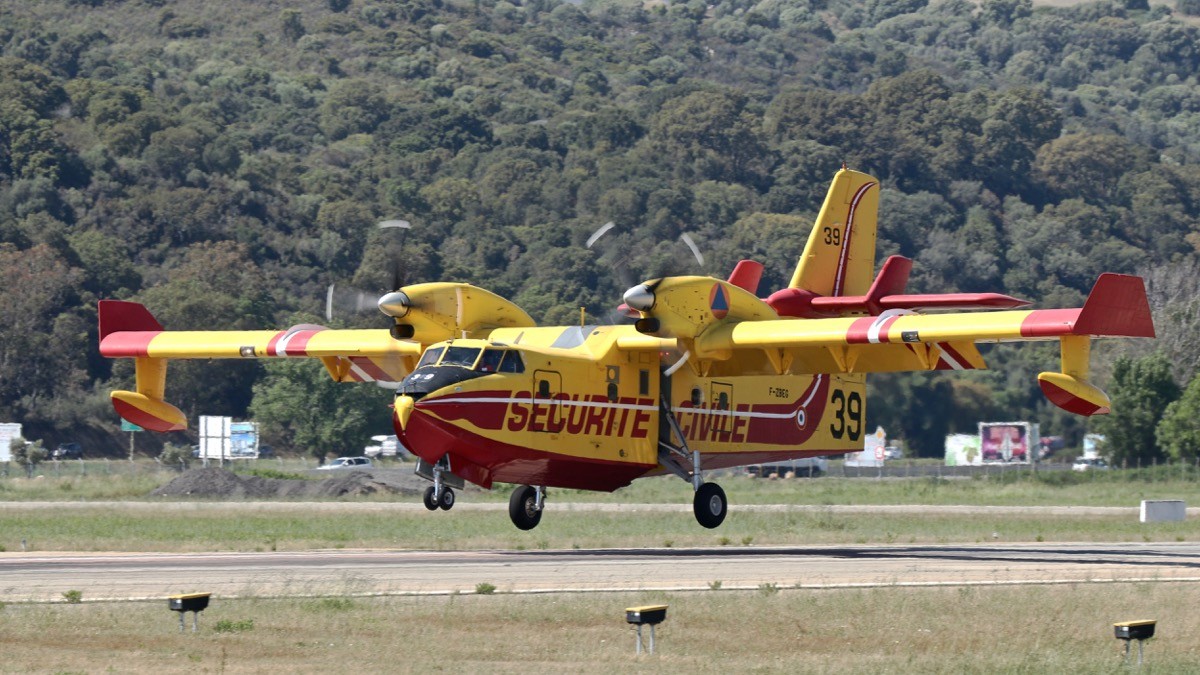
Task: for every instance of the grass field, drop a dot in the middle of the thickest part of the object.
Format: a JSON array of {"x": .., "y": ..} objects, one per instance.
[
  {"x": 101, "y": 480},
  {"x": 891, "y": 630},
  {"x": 244, "y": 527},
  {"x": 115, "y": 528}
]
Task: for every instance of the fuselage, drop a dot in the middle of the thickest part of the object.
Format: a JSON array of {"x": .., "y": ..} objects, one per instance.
[{"x": 569, "y": 407}]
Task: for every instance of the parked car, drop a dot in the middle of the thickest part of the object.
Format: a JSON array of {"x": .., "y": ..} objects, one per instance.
[
  {"x": 68, "y": 451},
  {"x": 1089, "y": 464},
  {"x": 347, "y": 463}
]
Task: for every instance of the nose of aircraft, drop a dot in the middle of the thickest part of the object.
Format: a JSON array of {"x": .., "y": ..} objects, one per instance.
[{"x": 404, "y": 409}]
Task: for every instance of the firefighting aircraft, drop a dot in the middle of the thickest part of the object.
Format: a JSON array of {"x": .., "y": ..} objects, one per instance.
[{"x": 710, "y": 376}]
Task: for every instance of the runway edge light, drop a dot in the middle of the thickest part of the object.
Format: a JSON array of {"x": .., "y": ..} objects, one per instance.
[
  {"x": 1134, "y": 630},
  {"x": 646, "y": 615},
  {"x": 189, "y": 602}
]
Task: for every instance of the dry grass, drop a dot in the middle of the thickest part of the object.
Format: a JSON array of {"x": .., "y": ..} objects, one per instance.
[{"x": 967, "y": 630}]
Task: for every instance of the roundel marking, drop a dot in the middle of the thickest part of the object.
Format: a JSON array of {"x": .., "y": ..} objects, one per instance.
[
  {"x": 801, "y": 418},
  {"x": 718, "y": 301}
]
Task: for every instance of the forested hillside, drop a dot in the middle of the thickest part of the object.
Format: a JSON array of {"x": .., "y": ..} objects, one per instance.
[{"x": 225, "y": 162}]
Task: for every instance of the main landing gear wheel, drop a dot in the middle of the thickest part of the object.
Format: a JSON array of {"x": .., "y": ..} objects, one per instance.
[
  {"x": 710, "y": 505},
  {"x": 446, "y": 501},
  {"x": 430, "y": 502},
  {"x": 523, "y": 508}
]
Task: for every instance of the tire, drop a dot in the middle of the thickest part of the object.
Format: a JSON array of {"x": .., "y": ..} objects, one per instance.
[
  {"x": 429, "y": 502},
  {"x": 710, "y": 505},
  {"x": 446, "y": 501},
  {"x": 521, "y": 508}
]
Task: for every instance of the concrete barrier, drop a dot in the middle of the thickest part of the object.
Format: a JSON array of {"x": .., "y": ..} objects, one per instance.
[{"x": 1163, "y": 510}]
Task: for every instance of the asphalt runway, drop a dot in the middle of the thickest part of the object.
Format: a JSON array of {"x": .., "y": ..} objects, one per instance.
[{"x": 40, "y": 577}]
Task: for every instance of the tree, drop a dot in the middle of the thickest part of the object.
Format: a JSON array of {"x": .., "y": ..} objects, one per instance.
[
  {"x": 291, "y": 24},
  {"x": 1179, "y": 431},
  {"x": 1141, "y": 390},
  {"x": 28, "y": 455},
  {"x": 300, "y": 406}
]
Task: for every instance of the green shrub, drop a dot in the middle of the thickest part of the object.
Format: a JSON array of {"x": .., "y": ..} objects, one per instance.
[{"x": 227, "y": 626}]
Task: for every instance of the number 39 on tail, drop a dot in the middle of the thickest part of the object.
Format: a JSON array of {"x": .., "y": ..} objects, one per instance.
[{"x": 710, "y": 376}]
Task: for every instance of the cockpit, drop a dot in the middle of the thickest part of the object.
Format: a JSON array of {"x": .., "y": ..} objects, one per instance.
[
  {"x": 448, "y": 363},
  {"x": 492, "y": 359}
]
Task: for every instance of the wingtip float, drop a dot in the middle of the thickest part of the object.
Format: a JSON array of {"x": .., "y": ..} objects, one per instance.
[{"x": 710, "y": 376}]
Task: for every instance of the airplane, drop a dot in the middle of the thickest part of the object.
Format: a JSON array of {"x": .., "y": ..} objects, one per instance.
[{"x": 710, "y": 375}]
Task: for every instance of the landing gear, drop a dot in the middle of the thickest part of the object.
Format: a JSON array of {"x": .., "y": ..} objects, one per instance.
[
  {"x": 440, "y": 495},
  {"x": 710, "y": 505},
  {"x": 525, "y": 506}
]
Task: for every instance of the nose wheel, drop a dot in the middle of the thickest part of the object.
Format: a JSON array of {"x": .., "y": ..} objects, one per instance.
[
  {"x": 434, "y": 500},
  {"x": 710, "y": 505},
  {"x": 525, "y": 506}
]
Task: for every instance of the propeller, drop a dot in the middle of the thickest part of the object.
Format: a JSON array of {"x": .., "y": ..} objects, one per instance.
[
  {"x": 350, "y": 300},
  {"x": 618, "y": 256}
]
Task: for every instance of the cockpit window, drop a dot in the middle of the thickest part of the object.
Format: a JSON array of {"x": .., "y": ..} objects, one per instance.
[
  {"x": 460, "y": 356},
  {"x": 431, "y": 356},
  {"x": 490, "y": 361},
  {"x": 512, "y": 362}
]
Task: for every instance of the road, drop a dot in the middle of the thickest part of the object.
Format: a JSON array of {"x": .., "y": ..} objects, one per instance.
[{"x": 40, "y": 577}]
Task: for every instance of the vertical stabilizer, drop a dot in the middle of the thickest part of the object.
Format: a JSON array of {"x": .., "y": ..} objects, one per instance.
[{"x": 839, "y": 258}]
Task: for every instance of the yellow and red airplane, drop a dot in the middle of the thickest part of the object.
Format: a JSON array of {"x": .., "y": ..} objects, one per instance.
[{"x": 710, "y": 376}]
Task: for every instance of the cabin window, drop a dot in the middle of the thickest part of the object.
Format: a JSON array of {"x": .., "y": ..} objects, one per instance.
[
  {"x": 612, "y": 391},
  {"x": 644, "y": 382},
  {"x": 697, "y": 397},
  {"x": 431, "y": 356},
  {"x": 543, "y": 389},
  {"x": 460, "y": 356}
]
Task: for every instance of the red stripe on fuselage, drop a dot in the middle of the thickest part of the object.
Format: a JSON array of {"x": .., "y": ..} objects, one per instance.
[{"x": 483, "y": 460}]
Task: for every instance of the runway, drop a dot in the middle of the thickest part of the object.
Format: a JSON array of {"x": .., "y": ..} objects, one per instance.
[{"x": 39, "y": 577}]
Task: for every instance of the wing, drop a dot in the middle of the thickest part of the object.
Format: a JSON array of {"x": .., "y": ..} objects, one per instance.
[
  {"x": 128, "y": 330},
  {"x": 900, "y": 340}
]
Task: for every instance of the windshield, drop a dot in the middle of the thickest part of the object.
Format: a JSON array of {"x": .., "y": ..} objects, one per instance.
[
  {"x": 431, "y": 356},
  {"x": 460, "y": 356}
]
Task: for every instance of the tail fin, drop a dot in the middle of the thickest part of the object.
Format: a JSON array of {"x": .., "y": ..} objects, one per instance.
[{"x": 839, "y": 258}]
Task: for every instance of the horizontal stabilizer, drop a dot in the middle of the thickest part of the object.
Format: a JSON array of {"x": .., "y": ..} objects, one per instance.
[{"x": 886, "y": 293}]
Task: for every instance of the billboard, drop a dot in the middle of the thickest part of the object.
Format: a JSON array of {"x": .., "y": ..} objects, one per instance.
[
  {"x": 1007, "y": 442},
  {"x": 963, "y": 450},
  {"x": 222, "y": 438}
]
